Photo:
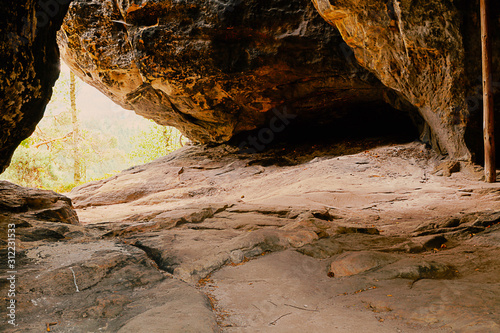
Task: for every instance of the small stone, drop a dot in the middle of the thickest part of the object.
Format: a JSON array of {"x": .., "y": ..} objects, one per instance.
[{"x": 237, "y": 256}]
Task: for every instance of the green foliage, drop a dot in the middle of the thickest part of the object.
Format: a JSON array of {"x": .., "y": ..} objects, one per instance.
[
  {"x": 31, "y": 167},
  {"x": 105, "y": 146},
  {"x": 154, "y": 143}
]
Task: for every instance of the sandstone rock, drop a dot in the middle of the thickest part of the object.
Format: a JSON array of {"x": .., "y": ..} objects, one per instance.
[
  {"x": 40, "y": 233},
  {"x": 184, "y": 311},
  {"x": 214, "y": 74},
  {"x": 357, "y": 230},
  {"x": 29, "y": 67},
  {"x": 490, "y": 237},
  {"x": 450, "y": 223},
  {"x": 215, "y": 69},
  {"x": 447, "y": 168},
  {"x": 322, "y": 249},
  {"x": 418, "y": 50},
  {"x": 430, "y": 242},
  {"x": 301, "y": 238},
  {"x": 416, "y": 269},
  {"x": 103, "y": 285},
  {"x": 260, "y": 291},
  {"x": 237, "y": 256},
  {"x": 126, "y": 266},
  {"x": 35, "y": 204},
  {"x": 352, "y": 263},
  {"x": 487, "y": 219}
]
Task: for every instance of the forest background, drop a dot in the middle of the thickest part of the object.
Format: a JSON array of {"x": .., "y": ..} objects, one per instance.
[{"x": 84, "y": 136}]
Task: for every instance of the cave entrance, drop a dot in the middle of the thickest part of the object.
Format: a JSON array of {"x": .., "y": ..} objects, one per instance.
[
  {"x": 349, "y": 130},
  {"x": 84, "y": 136}
]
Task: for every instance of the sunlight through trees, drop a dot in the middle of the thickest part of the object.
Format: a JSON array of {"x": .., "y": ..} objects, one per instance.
[{"x": 71, "y": 146}]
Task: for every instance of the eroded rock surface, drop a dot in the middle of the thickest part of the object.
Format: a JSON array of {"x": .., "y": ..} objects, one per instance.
[
  {"x": 214, "y": 73},
  {"x": 67, "y": 278},
  {"x": 35, "y": 204},
  {"x": 87, "y": 284},
  {"x": 427, "y": 51},
  {"x": 215, "y": 69},
  {"x": 208, "y": 239},
  {"x": 380, "y": 235}
]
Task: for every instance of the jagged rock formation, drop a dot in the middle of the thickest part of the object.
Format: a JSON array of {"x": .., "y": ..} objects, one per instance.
[
  {"x": 214, "y": 69},
  {"x": 29, "y": 67}
]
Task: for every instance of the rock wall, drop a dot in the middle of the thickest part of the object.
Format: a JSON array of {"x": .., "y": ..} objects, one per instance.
[
  {"x": 414, "y": 48},
  {"x": 29, "y": 67},
  {"x": 427, "y": 51},
  {"x": 215, "y": 69}
]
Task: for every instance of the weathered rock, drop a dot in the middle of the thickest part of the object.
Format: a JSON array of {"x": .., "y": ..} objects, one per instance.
[
  {"x": 490, "y": 237},
  {"x": 35, "y": 204},
  {"x": 102, "y": 285},
  {"x": 447, "y": 168},
  {"x": 228, "y": 227},
  {"x": 322, "y": 249},
  {"x": 286, "y": 291},
  {"x": 29, "y": 67},
  {"x": 430, "y": 242},
  {"x": 215, "y": 69},
  {"x": 237, "y": 256},
  {"x": 426, "y": 51},
  {"x": 353, "y": 263},
  {"x": 357, "y": 230},
  {"x": 416, "y": 269},
  {"x": 185, "y": 310}
]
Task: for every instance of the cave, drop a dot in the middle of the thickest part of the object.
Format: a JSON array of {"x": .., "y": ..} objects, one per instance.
[
  {"x": 216, "y": 76},
  {"x": 334, "y": 181},
  {"x": 362, "y": 125}
]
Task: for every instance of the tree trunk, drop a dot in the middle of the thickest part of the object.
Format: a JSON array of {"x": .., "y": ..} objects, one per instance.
[
  {"x": 77, "y": 176},
  {"x": 488, "y": 121}
]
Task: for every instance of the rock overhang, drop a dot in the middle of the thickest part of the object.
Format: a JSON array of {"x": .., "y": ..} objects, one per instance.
[{"x": 216, "y": 70}]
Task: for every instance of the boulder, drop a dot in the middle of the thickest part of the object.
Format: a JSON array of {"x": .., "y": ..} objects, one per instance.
[{"x": 32, "y": 204}]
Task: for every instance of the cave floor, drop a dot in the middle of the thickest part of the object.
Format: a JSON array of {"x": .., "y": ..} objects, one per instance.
[{"x": 387, "y": 239}]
